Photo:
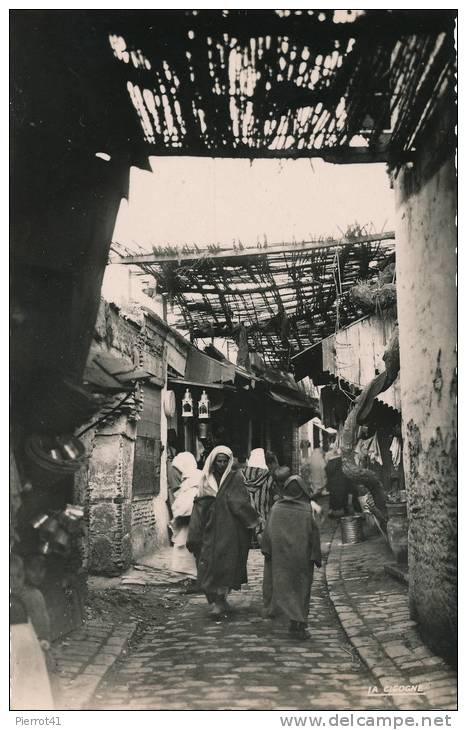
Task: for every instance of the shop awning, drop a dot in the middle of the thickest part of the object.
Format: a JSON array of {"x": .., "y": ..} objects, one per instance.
[
  {"x": 205, "y": 386},
  {"x": 107, "y": 372},
  {"x": 352, "y": 356},
  {"x": 287, "y": 400},
  {"x": 205, "y": 370}
]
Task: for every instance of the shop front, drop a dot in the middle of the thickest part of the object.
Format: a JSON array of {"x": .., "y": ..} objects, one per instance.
[{"x": 220, "y": 403}]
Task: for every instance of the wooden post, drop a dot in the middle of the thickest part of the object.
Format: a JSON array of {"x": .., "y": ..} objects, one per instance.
[
  {"x": 186, "y": 434},
  {"x": 268, "y": 436}
]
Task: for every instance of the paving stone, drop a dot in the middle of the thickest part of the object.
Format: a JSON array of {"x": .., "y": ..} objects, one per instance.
[
  {"x": 385, "y": 613},
  {"x": 102, "y": 662},
  {"x": 396, "y": 651},
  {"x": 261, "y": 689},
  {"x": 188, "y": 662}
]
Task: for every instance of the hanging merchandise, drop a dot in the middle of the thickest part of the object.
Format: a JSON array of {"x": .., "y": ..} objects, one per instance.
[
  {"x": 52, "y": 458},
  {"x": 56, "y": 529},
  {"x": 170, "y": 406},
  {"x": 187, "y": 405},
  {"x": 396, "y": 451},
  {"x": 199, "y": 449},
  {"x": 203, "y": 430},
  {"x": 374, "y": 453},
  {"x": 367, "y": 450},
  {"x": 203, "y": 406},
  {"x": 361, "y": 452},
  {"x": 304, "y": 446}
]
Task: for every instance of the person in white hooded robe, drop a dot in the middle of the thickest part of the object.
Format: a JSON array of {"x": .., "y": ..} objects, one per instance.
[{"x": 182, "y": 560}]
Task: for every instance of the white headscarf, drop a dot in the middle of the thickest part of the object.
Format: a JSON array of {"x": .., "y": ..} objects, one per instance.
[
  {"x": 257, "y": 459},
  {"x": 186, "y": 464},
  {"x": 208, "y": 484},
  {"x": 183, "y": 503}
]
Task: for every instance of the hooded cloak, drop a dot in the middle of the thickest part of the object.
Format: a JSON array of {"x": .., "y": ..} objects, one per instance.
[
  {"x": 208, "y": 485},
  {"x": 259, "y": 483},
  {"x": 182, "y": 466},
  {"x": 219, "y": 531},
  {"x": 182, "y": 507},
  {"x": 291, "y": 546}
]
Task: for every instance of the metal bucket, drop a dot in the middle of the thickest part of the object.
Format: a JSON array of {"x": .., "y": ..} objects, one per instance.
[{"x": 352, "y": 529}]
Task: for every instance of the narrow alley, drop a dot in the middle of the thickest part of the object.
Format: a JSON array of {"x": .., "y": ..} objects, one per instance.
[
  {"x": 247, "y": 663},
  {"x": 233, "y": 337},
  {"x": 177, "y": 658}
]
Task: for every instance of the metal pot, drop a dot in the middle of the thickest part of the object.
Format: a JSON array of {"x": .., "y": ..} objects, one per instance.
[{"x": 352, "y": 529}]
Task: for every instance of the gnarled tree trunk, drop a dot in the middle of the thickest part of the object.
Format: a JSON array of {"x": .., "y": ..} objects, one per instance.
[{"x": 361, "y": 410}]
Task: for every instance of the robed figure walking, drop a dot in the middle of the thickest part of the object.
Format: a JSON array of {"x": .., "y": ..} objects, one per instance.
[
  {"x": 291, "y": 546},
  {"x": 219, "y": 533}
]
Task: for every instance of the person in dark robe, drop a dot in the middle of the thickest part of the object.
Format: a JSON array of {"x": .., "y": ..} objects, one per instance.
[
  {"x": 338, "y": 484},
  {"x": 291, "y": 548},
  {"x": 220, "y": 530},
  {"x": 281, "y": 474},
  {"x": 259, "y": 482},
  {"x": 273, "y": 465}
]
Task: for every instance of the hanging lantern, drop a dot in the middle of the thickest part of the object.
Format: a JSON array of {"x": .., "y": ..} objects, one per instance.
[
  {"x": 203, "y": 430},
  {"x": 203, "y": 406},
  {"x": 187, "y": 405},
  {"x": 170, "y": 407}
]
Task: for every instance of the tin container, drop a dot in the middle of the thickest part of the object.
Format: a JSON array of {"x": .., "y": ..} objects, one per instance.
[{"x": 352, "y": 529}]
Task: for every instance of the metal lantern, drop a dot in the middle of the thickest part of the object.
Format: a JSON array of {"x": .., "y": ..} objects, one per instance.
[
  {"x": 203, "y": 430},
  {"x": 187, "y": 405},
  {"x": 203, "y": 406}
]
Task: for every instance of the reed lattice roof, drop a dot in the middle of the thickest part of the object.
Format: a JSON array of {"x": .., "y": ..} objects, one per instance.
[
  {"x": 288, "y": 297},
  {"x": 343, "y": 85},
  {"x": 274, "y": 82},
  {"x": 126, "y": 84}
]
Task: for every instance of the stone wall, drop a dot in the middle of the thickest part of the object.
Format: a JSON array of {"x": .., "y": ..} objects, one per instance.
[
  {"x": 81, "y": 495},
  {"x": 121, "y": 526},
  {"x": 110, "y": 499},
  {"x": 426, "y": 291},
  {"x": 143, "y": 527}
]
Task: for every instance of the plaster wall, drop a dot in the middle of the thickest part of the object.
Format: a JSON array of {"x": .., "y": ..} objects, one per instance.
[{"x": 426, "y": 290}]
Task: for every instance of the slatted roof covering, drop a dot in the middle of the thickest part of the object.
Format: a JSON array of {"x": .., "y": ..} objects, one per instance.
[
  {"x": 265, "y": 83},
  {"x": 286, "y": 299}
]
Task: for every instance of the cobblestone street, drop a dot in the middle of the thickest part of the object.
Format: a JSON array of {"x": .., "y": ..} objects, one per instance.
[
  {"x": 189, "y": 662},
  {"x": 233, "y": 319}
]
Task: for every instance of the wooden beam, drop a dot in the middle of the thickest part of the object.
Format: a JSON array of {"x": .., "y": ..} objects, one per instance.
[
  {"x": 191, "y": 253},
  {"x": 343, "y": 156}
]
